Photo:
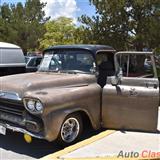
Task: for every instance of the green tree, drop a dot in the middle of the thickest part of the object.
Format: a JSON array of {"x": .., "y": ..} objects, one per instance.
[
  {"x": 84, "y": 36},
  {"x": 59, "y": 31},
  {"x": 124, "y": 24},
  {"x": 23, "y": 24}
]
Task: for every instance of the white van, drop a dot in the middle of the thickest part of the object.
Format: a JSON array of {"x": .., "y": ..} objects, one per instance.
[{"x": 12, "y": 59}]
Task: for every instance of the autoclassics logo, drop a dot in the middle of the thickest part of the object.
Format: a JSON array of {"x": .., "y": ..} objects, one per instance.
[{"x": 143, "y": 154}]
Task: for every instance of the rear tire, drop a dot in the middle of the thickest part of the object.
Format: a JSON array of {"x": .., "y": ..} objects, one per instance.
[{"x": 71, "y": 130}]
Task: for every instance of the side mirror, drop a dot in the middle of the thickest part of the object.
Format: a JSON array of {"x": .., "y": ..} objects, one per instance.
[
  {"x": 93, "y": 70},
  {"x": 115, "y": 80}
]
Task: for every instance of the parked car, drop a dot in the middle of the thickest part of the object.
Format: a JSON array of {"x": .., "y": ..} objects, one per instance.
[
  {"x": 81, "y": 84},
  {"x": 11, "y": 59},
  {"x": 32, "y": 63}
]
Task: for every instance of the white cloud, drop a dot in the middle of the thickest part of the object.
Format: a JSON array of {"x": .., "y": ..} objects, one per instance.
[{"x": 58, "y": 8}]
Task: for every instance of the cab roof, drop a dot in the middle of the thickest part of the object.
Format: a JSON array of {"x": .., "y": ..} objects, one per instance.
[{"x": 92, "y": 48}]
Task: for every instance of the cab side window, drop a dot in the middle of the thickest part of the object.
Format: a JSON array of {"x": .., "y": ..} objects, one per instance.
[{"x": 136, "y": 66}]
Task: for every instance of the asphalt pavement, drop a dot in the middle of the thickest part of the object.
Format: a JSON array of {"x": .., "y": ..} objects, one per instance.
[{"x": 13, "y": 146}]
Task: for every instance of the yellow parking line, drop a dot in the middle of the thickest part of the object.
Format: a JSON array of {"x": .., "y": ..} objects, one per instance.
[
  {"x": 72, "y": 148},
  {"x": 110, "y": 158}
]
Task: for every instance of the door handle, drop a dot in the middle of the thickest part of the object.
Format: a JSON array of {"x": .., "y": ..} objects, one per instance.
[{"x": 150, "y": 84}]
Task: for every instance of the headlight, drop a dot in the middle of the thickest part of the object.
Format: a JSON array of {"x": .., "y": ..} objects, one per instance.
[
  {"x": 39, "y": 106},
  {"x": 33, "y": 105}
]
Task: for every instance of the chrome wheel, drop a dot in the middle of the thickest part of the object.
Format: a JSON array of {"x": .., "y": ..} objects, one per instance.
[{"x": 70, "y": 130}]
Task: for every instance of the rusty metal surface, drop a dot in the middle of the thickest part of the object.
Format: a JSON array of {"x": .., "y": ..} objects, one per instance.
[
  {"x": 127, "y": 106},
  {"x": 133, "y": 103},
  {"x": 130, "y": 105},
  {"x": 61, "y": 94}
]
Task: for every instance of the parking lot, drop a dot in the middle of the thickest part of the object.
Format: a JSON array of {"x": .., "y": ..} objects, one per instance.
[
  {"x": 79, "y": 80},
  {"x": 13, "y": 146},
  {"x": 113, "y": 145},
  {"x": 104, "y": 144}
]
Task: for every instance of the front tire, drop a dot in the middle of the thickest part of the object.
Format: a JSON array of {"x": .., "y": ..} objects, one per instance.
[{"x": 71, "y": 129}]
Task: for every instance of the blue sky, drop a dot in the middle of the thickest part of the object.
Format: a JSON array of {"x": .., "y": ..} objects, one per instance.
[
  {"x": 69, "y": 8},
  {"x": 85, "y": 7}
]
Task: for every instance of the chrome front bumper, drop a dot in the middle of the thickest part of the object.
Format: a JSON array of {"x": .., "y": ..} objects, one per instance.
[{"x": 21, "y": 130}]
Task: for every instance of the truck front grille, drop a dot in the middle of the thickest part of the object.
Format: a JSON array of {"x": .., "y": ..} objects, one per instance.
[{"x": 12, "y": 108}]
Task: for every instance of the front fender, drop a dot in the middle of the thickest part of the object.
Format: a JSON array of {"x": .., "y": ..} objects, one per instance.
[
  {"x": 58, "y": 103},
  {"x": 53, "y": 121}
]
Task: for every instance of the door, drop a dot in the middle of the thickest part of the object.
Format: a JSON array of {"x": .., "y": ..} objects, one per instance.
[{"x": 133, "y": 103}]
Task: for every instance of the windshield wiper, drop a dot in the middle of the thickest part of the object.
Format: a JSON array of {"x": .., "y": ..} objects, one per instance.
[
  {"x": 65, "y": 71},
  {"x": 73, "y": 71},
  {"x": 55, "y": 71}
]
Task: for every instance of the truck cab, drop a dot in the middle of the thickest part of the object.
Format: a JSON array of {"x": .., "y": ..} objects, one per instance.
[{"x": 77, "y": 84}]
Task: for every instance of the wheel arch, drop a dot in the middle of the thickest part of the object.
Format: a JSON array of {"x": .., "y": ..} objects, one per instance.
[
  {"x": 85, "y": 118},
  {"x": 59, "y": 118}
]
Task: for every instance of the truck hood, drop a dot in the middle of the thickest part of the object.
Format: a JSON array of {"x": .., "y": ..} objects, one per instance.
[{"x": 22, "y": 83}]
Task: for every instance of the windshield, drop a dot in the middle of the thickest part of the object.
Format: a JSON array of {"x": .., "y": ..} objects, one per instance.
[{"x": 77, "y": 61}]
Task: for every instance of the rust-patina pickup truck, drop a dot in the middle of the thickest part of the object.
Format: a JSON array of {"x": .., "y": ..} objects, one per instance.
[{"x": 78, "y": 84}]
